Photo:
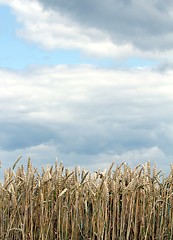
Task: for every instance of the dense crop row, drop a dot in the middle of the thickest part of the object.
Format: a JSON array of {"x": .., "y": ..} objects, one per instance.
[{"x": 120, "y": 203}]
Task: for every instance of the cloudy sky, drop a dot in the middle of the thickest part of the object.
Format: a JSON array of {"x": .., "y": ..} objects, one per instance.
[{"x": 87, "y": 82}]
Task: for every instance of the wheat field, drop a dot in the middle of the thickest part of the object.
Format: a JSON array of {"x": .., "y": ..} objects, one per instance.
[{"x": 120, "y": 203}]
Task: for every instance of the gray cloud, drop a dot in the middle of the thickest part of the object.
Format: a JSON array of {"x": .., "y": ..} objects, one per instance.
[
  {"x": 148, "y": 26},
  {"x": 165, "y": 66},
  {"x": 19, "y": 135}
]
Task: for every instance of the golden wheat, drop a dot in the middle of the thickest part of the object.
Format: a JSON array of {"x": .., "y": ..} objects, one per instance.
[{"x": 120, "y": 203}]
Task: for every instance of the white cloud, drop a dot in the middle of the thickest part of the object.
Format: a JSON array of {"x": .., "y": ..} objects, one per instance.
[
  {"x": 86, "y": 115},
  {"x": 55, "y": 30}
]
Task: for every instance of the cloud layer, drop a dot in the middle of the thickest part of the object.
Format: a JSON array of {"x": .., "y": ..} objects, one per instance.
[{"x": 87, "y": 114}]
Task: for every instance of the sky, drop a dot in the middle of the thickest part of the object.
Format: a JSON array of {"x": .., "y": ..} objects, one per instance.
[{"x": 86, "y": 82}]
